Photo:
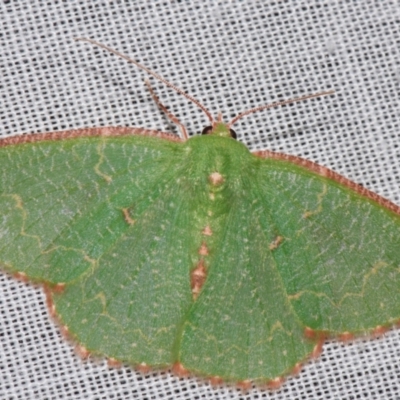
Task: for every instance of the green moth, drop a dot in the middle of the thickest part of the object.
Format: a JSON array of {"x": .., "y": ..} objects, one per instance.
[{"x": 196, "y": 254}]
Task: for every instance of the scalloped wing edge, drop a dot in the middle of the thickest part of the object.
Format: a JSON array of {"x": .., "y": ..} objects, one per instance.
[{"x": 178, "y": 369}]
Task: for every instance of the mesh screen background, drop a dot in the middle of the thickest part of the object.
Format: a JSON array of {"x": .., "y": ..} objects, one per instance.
[{"x": 230, "y": 55}]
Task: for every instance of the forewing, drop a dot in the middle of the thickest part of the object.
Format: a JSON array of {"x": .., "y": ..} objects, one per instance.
[
  {"x": 63, "y": 203},
  {"x": 340, "y": 253}
]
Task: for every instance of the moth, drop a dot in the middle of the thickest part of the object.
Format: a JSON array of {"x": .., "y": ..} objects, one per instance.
[{"x": 193, "y": 253}]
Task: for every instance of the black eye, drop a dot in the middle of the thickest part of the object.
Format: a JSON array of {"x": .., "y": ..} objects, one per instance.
[
  {"x": 206, "y": 130},
  {"x": 233, "y": 133}
]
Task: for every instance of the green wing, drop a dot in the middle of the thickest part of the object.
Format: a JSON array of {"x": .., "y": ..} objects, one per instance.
[
  {"x": 100, "y": 214},
  {"x": 126, "y": 222},
  {"x": 62, "y": 202},
  {"x": 340, "y": 258}
]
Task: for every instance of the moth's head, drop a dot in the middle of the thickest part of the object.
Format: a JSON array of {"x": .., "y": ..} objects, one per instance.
[{"x": 219, "y": 128}]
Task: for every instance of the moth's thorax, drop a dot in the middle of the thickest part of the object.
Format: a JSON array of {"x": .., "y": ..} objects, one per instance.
[
  {"x": 210, "y": 153},
  {"x": 221, "y": 162},
  {"x": 217, "y": 144}
]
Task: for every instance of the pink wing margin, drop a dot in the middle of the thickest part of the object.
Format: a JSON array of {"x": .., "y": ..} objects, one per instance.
[
  {"x": 87, "y": 132},
  {"x": 328, "y": 173}
]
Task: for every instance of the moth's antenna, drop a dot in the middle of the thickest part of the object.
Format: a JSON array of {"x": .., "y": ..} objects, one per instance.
[
  {"x": 168, "y": 113},
  {"x": 278, "y": 104},
  {"x": 150, "y": 72}
]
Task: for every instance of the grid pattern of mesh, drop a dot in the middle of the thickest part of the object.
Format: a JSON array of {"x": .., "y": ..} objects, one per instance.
[{"x": 231, "y": 55}]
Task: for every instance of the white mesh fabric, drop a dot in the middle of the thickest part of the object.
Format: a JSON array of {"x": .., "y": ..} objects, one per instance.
[{"x": 231, "y": 56}]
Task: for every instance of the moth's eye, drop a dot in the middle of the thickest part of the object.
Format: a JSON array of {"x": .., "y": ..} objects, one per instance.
[
  {"x": 206, "y": 130},
  {"x": 233, "y": 133}
]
